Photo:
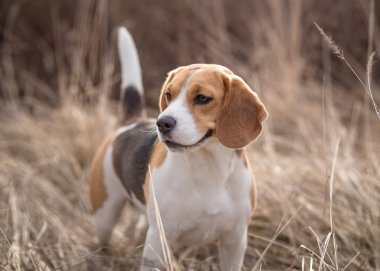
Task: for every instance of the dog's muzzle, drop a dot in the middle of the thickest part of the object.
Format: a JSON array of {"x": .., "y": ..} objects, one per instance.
[{"x": 180, "y": 147}]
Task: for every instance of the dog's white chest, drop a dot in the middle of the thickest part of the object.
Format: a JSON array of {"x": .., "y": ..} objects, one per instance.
[
  {"x": 200, "y": 197},
  {"x": 204, "y": 216}
]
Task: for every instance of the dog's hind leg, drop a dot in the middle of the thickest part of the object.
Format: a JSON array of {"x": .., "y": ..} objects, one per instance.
[
  {"x": 106, "y": 217},
  {"x": 108, "y": 196},
  {"x": 141, "y": 227}
]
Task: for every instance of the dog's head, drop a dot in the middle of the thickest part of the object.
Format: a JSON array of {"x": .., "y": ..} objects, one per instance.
[{"x": 202, "y": 101}]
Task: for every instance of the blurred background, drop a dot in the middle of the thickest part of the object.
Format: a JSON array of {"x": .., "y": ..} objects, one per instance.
[
  {"x": 316, "y": 164},
  {"x": 55, "y": 40}
]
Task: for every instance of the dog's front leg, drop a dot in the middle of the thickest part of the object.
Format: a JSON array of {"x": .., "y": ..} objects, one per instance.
[
  {"x": 232, "y": 248},
  {"x": 153, "y": 257}
]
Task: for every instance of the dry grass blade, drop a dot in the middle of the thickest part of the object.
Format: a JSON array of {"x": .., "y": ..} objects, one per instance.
[
  {"x": 330, "y": 267},
  {"x": 323, "y": 247},
  {"x": 168, "y": 263},
  {"x": 369, "y": 89},
  {"x": 331, "y": 186},
  {"x": 330, "y": 42},
  {"x": 275, "y": 236},
  {"x": 339, "y": 53},
  {"x": 353, "y": 258}
]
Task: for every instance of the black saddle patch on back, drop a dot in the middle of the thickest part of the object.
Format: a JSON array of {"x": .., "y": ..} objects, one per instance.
[{"x": 131, "y": 154}]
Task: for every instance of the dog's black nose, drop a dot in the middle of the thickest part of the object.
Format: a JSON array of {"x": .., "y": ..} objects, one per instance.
[{"x": 166, "y": 124}]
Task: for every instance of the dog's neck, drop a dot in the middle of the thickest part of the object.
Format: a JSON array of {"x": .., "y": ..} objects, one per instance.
[{"x": 212, "y": 157}]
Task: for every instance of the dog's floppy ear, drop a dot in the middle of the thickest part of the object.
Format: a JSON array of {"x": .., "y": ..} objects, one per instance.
[
  {"x": 242, "y": 114},
  {"x": 163, "y": 104}
]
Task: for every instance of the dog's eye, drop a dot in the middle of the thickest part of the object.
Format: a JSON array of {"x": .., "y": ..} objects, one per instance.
[
  {"x": 168, "y": 96},
  {"x": 202, "y": 99}
]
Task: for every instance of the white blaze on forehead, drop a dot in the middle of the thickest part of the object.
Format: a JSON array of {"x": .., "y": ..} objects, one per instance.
[
  {"x": 186, "y": 86},
  {"x": 185, "y": 131}
]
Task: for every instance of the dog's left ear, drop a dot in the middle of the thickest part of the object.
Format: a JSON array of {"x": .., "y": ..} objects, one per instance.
[
  {"x": 241, "y": 118},
  {"x": 163, "y": 104}
]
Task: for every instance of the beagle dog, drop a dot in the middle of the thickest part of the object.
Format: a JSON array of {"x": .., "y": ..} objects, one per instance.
[{"x": 193, "y": 156}]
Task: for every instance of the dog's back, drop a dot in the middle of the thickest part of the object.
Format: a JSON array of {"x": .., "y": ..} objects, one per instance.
[{"x": 131, "y": 155}]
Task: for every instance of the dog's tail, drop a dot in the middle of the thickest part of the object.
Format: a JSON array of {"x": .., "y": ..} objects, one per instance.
[{"x": 132, "y": 92}]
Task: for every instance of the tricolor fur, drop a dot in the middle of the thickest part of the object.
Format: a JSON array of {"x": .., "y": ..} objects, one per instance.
[{"x": 193, "y": 154}]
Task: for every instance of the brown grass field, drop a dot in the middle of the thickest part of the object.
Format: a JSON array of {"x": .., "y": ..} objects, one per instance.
[{"x": 317, "y": 163}]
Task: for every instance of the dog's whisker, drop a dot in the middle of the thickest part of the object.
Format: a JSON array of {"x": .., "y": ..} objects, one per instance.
[{"x": 150, "y": 132}]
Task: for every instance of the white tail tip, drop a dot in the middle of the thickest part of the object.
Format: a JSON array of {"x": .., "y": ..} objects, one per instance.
[{"x": 129, "y": 60}]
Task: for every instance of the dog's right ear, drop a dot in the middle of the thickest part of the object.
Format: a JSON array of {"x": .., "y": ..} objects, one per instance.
[
  {"x": 242, "y": 115},
  {"x": 163, "y": 104}
]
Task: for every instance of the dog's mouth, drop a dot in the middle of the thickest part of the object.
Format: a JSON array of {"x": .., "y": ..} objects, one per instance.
[{"x": 179, "y": 147}]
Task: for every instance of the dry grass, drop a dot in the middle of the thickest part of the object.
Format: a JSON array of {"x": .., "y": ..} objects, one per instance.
[{"x": 317, "y": 164}]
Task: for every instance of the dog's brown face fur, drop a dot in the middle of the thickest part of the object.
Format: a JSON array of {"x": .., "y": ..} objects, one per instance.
[{"x": 219, "y": 101}]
